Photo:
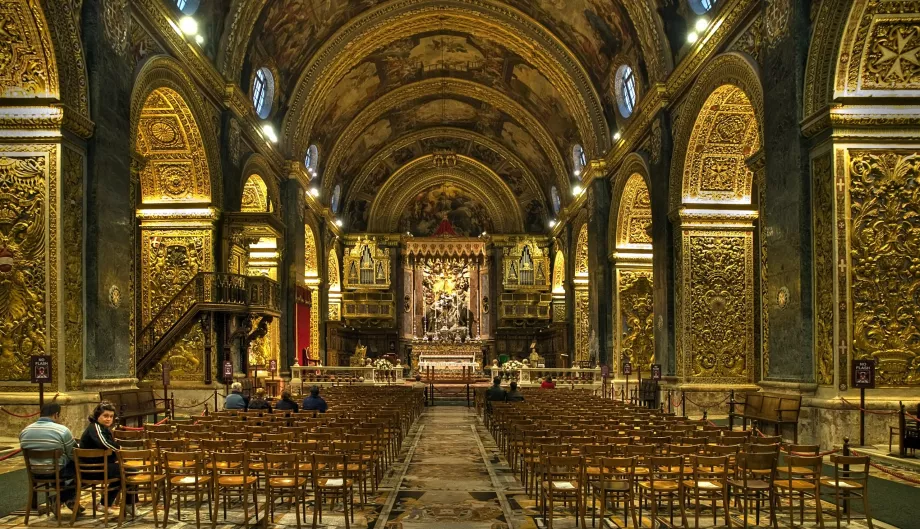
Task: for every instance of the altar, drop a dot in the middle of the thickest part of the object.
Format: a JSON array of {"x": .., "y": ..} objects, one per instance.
[{"x": 447, "y": 357}]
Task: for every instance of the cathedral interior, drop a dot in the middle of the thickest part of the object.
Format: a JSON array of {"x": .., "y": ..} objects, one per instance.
[{"x": 722, "y": 194}]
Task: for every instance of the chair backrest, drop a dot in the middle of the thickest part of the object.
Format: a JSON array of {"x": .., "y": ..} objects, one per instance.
[
  {"x": 237, "y": 436},
  {"x": 851, "y": 468},
  {"x": 767, "y": 440},
  {"x": 171, "y": 445},
  {"x": 132, "y": 444},
  {"x": 618, "y": 468},
  {"x": 564, "y": 467},
  {"x": 709, "y": 467},
  {"x": 682, "y": 450},
  {"x": 334, "y": 466},
  {"x": 92, "y": 461},
  {"x": 282, "y": 466},
  {"x": 45, "y": 463},
  {"x": 752, "y": 466},
  {"x": 666, "y": 468},
  {"x": 141, "y": 462},
  {"x": 230, "y": 463},
  {"x": 802, "y": 449},
  {"x": 804, "y": 467},
  {"x": 215, "y": 445},
  {"x": 763, "y": 448},
  {"x": 184, "y": 465},
  {"x": 160, "y": 434},
  {"x": 120, "y": 434}
]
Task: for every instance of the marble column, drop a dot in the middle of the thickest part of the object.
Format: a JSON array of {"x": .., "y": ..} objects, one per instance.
[
  {"x": 600, "y": 291},
  {"x": 291, "y": 270},
  {"x": 110, "y": 223},
  {"x": 662, "y": 244}
]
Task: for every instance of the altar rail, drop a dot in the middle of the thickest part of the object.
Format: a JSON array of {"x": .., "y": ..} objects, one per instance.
[
  {"x": 343, "y": 375},
  {"x": 574, "y": 376}
]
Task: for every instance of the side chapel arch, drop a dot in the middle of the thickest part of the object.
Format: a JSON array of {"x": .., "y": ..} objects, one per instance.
[
  {"x": 312, "y": 281},
  {"x": 715, "y": 300},
  {"x": 582, "y": 306}
]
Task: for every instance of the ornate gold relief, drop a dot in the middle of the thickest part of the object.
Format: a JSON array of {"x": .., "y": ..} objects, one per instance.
[
  {"x": 559, "y": 273},
  {"x": 634, "y": 218},
  {"x": 526, "y": 266},
  {"x": 635, "y": 321},
  {"x": 822, "y": 185},
  {"x": 717, "y": 284},
  {"x": 311, "y": 278},
  {"x": 169, "y": 139},
  {"x": 724, "y": 136},
  {"x": 185, "y": 357},
  {"x": 170, "y": 258},
  {"x": 367, "y": 266},
  {"x": 885, "y": 274},
  {"x": 582, "y": 332},
  {"x": 777, "y": 16},
  {"x": 72, "y": 257},
  {"x": 335, "y": 286},
  {"x": 27, "y": 63},
  {"x": 24, "y": 177},
  {"x": 255, "y": 196},
  {"x": 581, "y": 253}
]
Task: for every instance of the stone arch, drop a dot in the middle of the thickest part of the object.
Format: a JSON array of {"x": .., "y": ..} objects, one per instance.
[
  {"x": 634, "y": 167},
  {"x": 559, "y": 272},
  {"x": 164, "y": 73},
  {"x": 257, "y": 164},
  {"x": 255, "y": 196},
  {"x": 70, "y": 66},
  {"x": 727, "y": 70},
  {"x": 823, "y": 55}
]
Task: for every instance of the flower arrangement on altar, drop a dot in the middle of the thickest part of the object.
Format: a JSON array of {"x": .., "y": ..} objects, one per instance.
[
  {"x": 382, "y": 364},
  {"x": 512, "y": 369}
]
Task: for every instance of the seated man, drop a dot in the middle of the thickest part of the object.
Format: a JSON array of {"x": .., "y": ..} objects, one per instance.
[
  {"x": 514, "y": 394},
  {"x": 235, "y": 400},
  {"x": 259, "y": 402},
  {"x": 496, "y": 392},
  {"x": 314, "y": 401},
  {"x": 47, "y": 433},
  {"x": 287, "y": 403}
]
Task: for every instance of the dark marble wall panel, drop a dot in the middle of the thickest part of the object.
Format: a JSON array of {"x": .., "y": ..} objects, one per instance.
[
  {"x": 600, "y": 284},
  {"x": 663, "y": 256},
  {"x": 109, "y": 210},
  {"x": 291, "y": 269}
]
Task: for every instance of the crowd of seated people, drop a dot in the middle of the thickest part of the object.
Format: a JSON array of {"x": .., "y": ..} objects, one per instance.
[{"x": 364, "y": 426}]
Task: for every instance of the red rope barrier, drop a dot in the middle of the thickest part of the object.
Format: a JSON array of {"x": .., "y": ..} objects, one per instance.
[
  {"x": 911, "y": 416},
  {"x": 874, "y": 412},
  {"x": 886, "y": 471},
  {"x": 29, "y": 416},
  {"x": 809, "y": 454},
  {"x": 11, "y": 454},
  {"x": 205, "y": 401}
]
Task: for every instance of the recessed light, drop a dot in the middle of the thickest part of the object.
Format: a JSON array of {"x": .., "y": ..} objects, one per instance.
[
  {"x": 692, "y": 37},
  {"x": 188, "y": 25},
  {"x": 701, "y": 24}
]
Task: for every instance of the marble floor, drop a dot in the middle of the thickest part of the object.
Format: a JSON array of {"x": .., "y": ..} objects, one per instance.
[{"x": 449, "y": 475}]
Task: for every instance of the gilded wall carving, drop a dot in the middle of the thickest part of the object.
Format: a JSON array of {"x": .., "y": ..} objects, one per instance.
[
  {"x": 581, "y": 252},
  {"x": 526, "y": 266},
  {"x": 311, "y": 278},
  {"x": 170, "y": 258},
  {"x": 777, "y": 16},
  {"x": 116, "y": 19},
  {"x": 822, "y": 185},
  {"x": 885, "y": 274},
  {"x": 582, "y": 325},
  {"x": 751, "y": 40},
  {"x": 27, "y": 63},
  {"x": 335, "y": 286},
  {"x": 559, "y": 273},
  {"x": 185, "y": 357},
  {"x": 635, "y": 325},
  {"x": 634, "y": 217},
  {"x": 255, "y": 196},
  {"x": 881, "y": 40},
  {"x": 168, "y": 136},
  {"x": 72, "y": 256},
  {"x": 718, "y": 301},
  {"x": 24, "y": 180}
]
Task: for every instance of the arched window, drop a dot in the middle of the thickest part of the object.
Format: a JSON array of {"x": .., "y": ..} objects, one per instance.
[
  {"x": 336, "y": 198},
  {"x": 311, "y": 159},
  {"x": 557, "y": 200},
  {"x": 188, "y": 7},
  {"x": 701, "y": 7},
  {"x": 579, "y": 159},
  {"x": 263, "y": 92},
  {"x": 626, "y": 90}
]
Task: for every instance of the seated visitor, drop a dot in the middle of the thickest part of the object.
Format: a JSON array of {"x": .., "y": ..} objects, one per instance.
[
  {"x": 98, "y": 436},
  {"x": 47, "y": 433},
  {"x": 235, "y": 400},
  {"x": 548, "y": 384},
  {"x": 286, "y": 403},
  {"x": 418, "y": 384},
  {"x": 514, "y": 394},
  {"x": 314, "y": 401},
  {"x": 496, "y": 392},
  {"x": 259, "y": 402}
]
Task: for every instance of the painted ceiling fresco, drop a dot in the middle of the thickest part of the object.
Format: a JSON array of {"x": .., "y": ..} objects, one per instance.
[{"x": 431, "y": 206}]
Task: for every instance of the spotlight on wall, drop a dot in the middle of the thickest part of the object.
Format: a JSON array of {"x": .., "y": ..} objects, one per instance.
[
  {"x": 692, "y": 37},
  {"x": 701, "y": 24},
  {"x": 339, "y": 223},
  {"x": 577, "y": 172},
  {"x": 188, "y": 25},
  {"x": 199, "y": 39},
  {"x": 577, "y": 190},
  {"x": 314, "y": 191},
  {"x": 269, "y": 133},
  {"x": 552, "y": 223},
  {"x": 617, "y": 136}
]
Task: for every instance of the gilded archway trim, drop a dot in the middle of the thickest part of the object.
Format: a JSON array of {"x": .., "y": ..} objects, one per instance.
[
  {"x": 401, "y": 18},
  {"x": 468, "y": 174},
  {"x": 260, "y": 165},
  {"x": 71, "y": 66},
  {"x": 823, "y": 54},
  {"x": 164, "y": 72},
  {"x": 442, "y": 132},
  {"x": 30, "y": 68},
  {"x": 445, "y": 87},
  {"x": 731, "y": 68},
  {"x": 633, "y": 164}
]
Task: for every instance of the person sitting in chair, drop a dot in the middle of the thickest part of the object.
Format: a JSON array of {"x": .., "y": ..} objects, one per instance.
[
  {"x": 259, "y": 402},
  {"x": 287, "y": 403},
  {"x": 514, "y": 394},
  {"x": 47, "y": 433},
  {"x": 314, "y": 401},
  {"x": 235, "y": 400}
]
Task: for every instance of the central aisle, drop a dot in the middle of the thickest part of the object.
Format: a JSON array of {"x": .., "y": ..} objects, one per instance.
[{"x": 452, "y": 477}]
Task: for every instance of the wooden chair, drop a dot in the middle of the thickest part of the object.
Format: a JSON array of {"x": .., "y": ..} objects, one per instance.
[
  {"x": 44, "y": 472},
  {"x": 802, "y": 477},
  {"x": 140, "y": 474},
  {"x": 563, "y": 478},
  {"x": 617, "y": 475},
  {"x": 332, "y": 480},
  {"x": 851, "y": 477},
  {"x": 92, "y": 468},
  {"x": 257, "y": 451},
  {"x": 756, "y": 476},
  {"x": 665, "y": 479},
  {"x": 230, "y": 471},
  {"x": 283, "y": 478},
  {"x": 709, "y": 482},
  {"x": 185, "y": 473}
]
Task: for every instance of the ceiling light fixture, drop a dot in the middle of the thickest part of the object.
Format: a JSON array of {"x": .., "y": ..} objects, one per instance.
[
  {"x": 701, "y": 24},
  {"x": 552, "y": 223},
  {"x": 269, "y": 133},
  {"x": 577, "y": 172},
  {"x": 199, "y": 39},
  {"x": 314, "y": 191},
  {"x": 617, "y": 136},
  {"x": 692, "y": 37},
  {"x": 577, "y": 190},
  {"x": 188, "y": 25},
  {"x": 339, "y": 223}
]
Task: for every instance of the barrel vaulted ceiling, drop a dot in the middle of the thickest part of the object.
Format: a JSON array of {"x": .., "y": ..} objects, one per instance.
[{"x": 511, "y": 84}]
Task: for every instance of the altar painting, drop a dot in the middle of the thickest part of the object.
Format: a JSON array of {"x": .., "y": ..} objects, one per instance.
[
  {"x": 431, "y": 206},
  {"x": 446, "y": 294}
]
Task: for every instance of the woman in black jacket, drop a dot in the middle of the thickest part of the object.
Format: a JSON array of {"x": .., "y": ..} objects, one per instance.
[
  {"x": 98, "y": 436},
  {"x": 259, "y": 403},
  {"x": 286, "y": 404}
]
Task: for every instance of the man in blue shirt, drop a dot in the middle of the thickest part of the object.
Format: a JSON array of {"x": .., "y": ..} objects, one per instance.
[
  {"x": 314, "y": 401},
  {"x": 235, "y": 400},
  {"x": 47, "y": 433}
]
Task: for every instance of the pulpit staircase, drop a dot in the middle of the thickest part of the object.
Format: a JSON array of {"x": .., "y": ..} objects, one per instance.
[{"x": 206, "y": 292}]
